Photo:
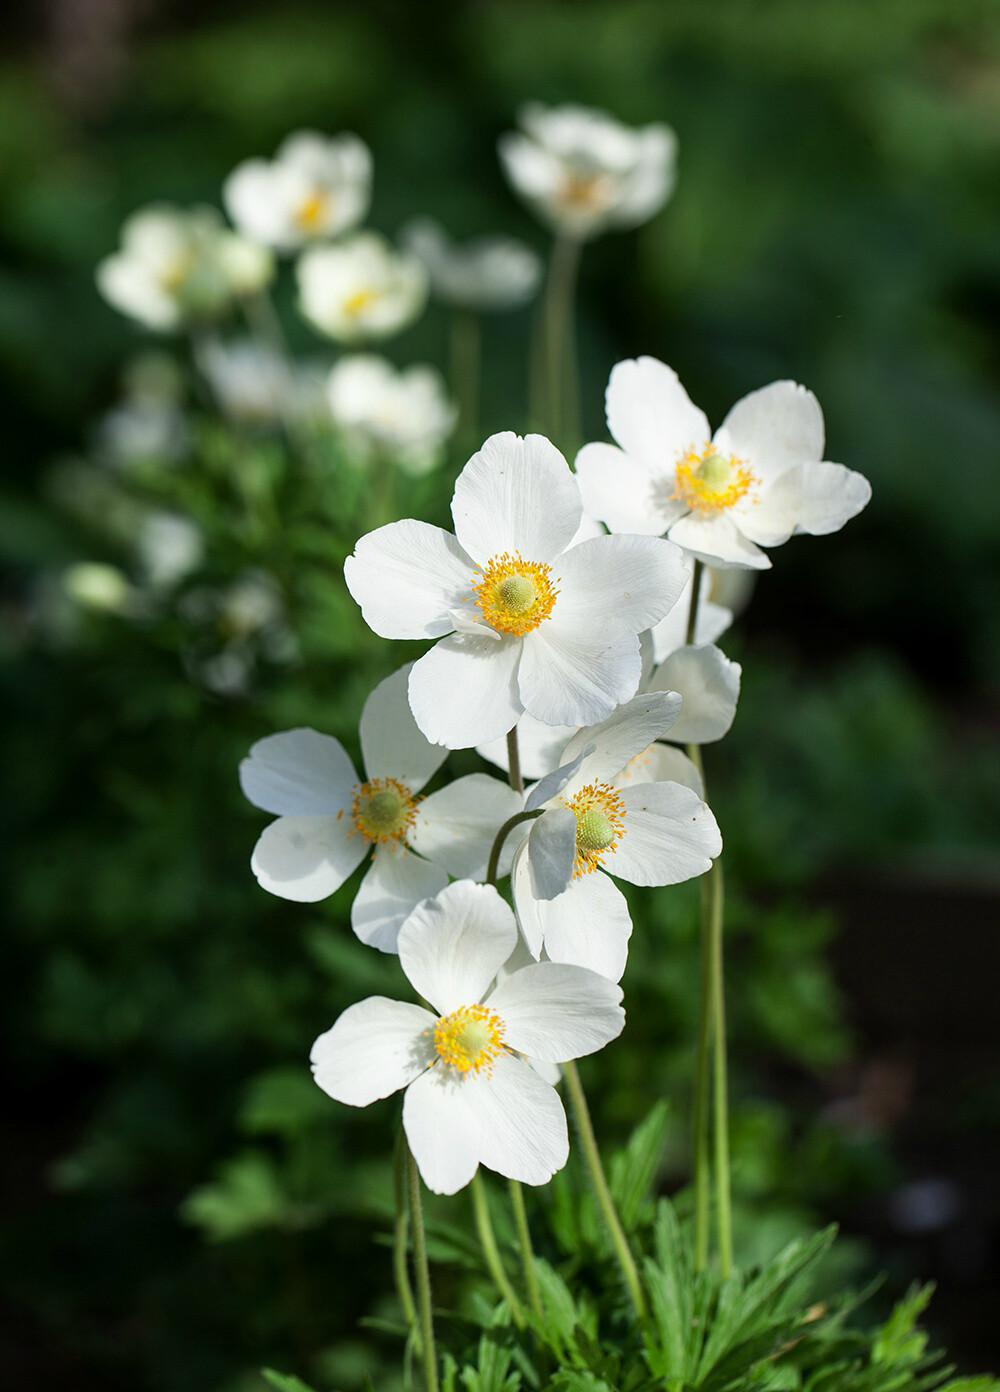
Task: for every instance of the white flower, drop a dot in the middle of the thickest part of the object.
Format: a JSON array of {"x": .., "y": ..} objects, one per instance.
[
  {"x": 711, "y": 621},
  {"x": 176, "y": 265},
  {"x": 757, "y": 482},
  {"x": 251, "y": 381},
  {"x": 524, "y": 623},
  {"x": 316, "y": 186},
  {"x": 472, "y": 1098},
  {"x": 360, "y": 289},
  {"x": 603, "y": 823},
  {"x": 169, "y": 547},
  {"x": 490, "y": 273},
  {"x": 404, "y": 415},
  {"x": 583, "y": 172},
  {"x": 329, "y": 818}
]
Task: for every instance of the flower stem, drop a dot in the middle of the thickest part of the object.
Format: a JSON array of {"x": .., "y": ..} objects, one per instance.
[
  {"x": 488, "y": 1242},
  {"x": 723, "y": 1206},
  {"x": 514, "y": 760},
  {"x": 560, "y": 345},
  {"x": 501, "y": 837},
  {"x": 692, "y": 622},
  {"x": 427, "y": 1350},
  {"x": 603, "y": 1194},
  {"x": 527, "y": 1251},
  {"x": 465, "y": 372},
  {"x": 401, "y": 1233},
  {"x": 700, "y": 1123}
]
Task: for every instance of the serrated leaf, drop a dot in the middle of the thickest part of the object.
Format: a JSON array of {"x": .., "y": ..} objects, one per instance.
[{"x": 633, "y": 1169}]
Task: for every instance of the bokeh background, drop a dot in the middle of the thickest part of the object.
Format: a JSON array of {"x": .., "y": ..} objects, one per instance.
[{"x": 180, "y": 1204}]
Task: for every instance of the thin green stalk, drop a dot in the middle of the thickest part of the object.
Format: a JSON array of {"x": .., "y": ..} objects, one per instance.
[
  {"x": 501, "y": 837},
  {"x": 514, "y": 761},
  {"x": 427, "y": 1349},
  {"x": 601, "y": 1191},
  {"x": 700, "y": 1124},
  {"x": 401, "y": 1234},
  {"x": 720, "y": 1107},
  {"x": 488, "y": 1242},
  {"x": 560, "y": 345},
  {"x": 466, "y": 356},
  {"x": 692, "y": 622},
  {"x": 527, "y": 1251}
]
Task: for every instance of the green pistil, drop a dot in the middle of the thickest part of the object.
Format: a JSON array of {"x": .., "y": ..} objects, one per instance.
[
  {"x": 594, "y": 831},
  {"x": 516, "y": 594},
  {"x": 382, "y": 810},
  {"x": 714, "y": 471}
]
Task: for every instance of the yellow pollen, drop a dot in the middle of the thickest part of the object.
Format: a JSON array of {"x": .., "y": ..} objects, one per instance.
[
  {"x": 312, "y": 212},
  {"x": 384, "y": 810},
  {"x": 585, "y": 192},
  {"x": 357, "y": 303},
  {"x": 600, "y": 821},
  {"x": 710, "y": 482},
  {"x": 515, "y": 595},
  {"x": 470, "y": 1039}
]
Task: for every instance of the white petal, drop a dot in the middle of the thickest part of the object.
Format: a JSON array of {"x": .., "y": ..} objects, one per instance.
[
  {"x": 588, "y": 926},
  {"x": 391, "y": 744},
  {"x": 556, "y": 1012},
  {"x": 456, "y": 827},
  {"x": 307, "y": 858},
  {"x": 628, "y": 581},
  {"x": 717, "y": 542},
  {"x": 516, "y": 495},
  {"x": 452, "y": 946},
  {"x": 395, "y": 884},
  {"x": 816, "y": 498},
  {"x": 623, "y": 493},
  {"x": 709, "y": 686},
  {"x": 774, "y": 428},
  {"x": 442, "y": 1131},
  {"x": 464, "y": 691},
  {"x": 406, "y": 577},
  {"x": 711, "y": 622},
  {"x": 670, "y": 835},
  {"x": 662, "y": 763},
  {"x": 577, "y": 675},
  {"x": 374, "y": 1049},
  {"x": 523, "y": 1133},
  {"x": 617, "y": 740},
  {"x": 298, "y": 773},
  {"x": 651, "y": 415},
  {"x": 551, "y": 852},
  {"x": 526, "y": 902},
  {"x": 553, "y": 783},
  {"x": 539, "y": 746}
]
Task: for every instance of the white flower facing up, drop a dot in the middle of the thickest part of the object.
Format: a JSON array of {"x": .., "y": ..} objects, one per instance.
[
  {"x": 329, "y": 819},
  {"x": 471, "y": 1096},
  {"x": 360, "y": 289},
  {"x": 403, "y": 415},
  {"x": 524, "y": 623},
  {"x": 316, "y": 186},
  {"x": 180, "y": 265},
  {"x": 759, "y": 480},
  {"x": 489, "y": 274},
  {"x": 583, "y": 172},
  {"x": 601, "y": 823}
]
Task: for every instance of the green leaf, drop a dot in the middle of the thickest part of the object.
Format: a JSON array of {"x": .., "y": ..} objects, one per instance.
[
  {"x": 284, "y": 1382},
  {"x": 633, "y": 1169},
  {"x": 899, "y": 1340}
]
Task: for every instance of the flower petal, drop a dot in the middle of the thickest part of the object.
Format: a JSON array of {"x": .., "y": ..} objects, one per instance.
[
  {"x": 406, "y": 577},
  {"x": 773, "y": 428},
  {"x": 551, "y": 852},
  {"x": 391, "y": 744},
  {"x": 711, "y": 622},
  {"x": 456, "y": 827},
  {"x": 516, "y": 495},
  {"x": 523, "y": 1132},
  {"x": 443, "y": 1132},
  {"x": 374, "y": 1049},
  {"x": 662, "y": 763},
  {"x": 709, "y": 686},
  {"x": 670, "y": 835},
  {"x": 452, "y": 946},
  {"x": 815, "y": 498},
  {"x": 633, "y": 728},
  {"x": 577, "y": 675},
  {"x": 307, "y": 858},
  {"x": 539, "y": 746},
  {"x": 395, "y": 884},
  {"x": 553, "y": 783},
  {"x": 623, "y": 493},
  {"x": 628, "y": 581},
  {"x": 556, "y": 1012},
  {"x": 298, "y": 773},
  {"x": 651, "y": 415},
  {"x": 464, "y": 691},
  {"x": 717, "y": 542}
]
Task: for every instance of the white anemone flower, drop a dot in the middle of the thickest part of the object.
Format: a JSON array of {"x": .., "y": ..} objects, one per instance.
[
  {"x": 329, "y": 819},
  {"x": 599, "y": 823},
  {"x": 403, "y": 415},
  {"x": 317, "y": 186},
  {"x": 176, "y": 265},
  {"x": 583, "y": 172},
  {"x": 251, "y": 381},
  {"x": 488, "y": 274},
  {"x": 472, "y": 1097},
  {"x": 524, "y": 623},
  {"x": 759, "y": 480},
  {"x": 360, "y": 289}
]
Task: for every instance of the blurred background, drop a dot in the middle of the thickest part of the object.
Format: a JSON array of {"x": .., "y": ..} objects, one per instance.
[{"x": 180, "y": 1204}]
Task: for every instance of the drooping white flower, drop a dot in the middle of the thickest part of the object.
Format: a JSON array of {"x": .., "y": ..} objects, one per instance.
[
  {"x": 179, "y": 265},
  {"x": 472, "y": 1098},
  {"x": 403, "y": 415},
  {"x": 329, "y": 819},
  {"x": 488, "y": 274},
  {"x": 758, "y": 481},
  {"x": 583, "y": 172},
  {"x": 317, "y": 186},
  {"x": 360, "y": 289},
  {"x": 603, "y": 823},
  {"x": 524, "y": 623}
]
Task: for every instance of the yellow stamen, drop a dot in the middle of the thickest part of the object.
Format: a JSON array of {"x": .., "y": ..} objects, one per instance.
[
  {"x": 357, "y": 303},
  {"x": 585, "y": 192},
  {"x": 600, "y": 822},
  {"x": 470, "y": 1039},
  {"x": 384, "y": 810},
  {"x": 312, "y": 212},
  {"x": 710, "y": 482},
  {"x": 515, "y": 595}
]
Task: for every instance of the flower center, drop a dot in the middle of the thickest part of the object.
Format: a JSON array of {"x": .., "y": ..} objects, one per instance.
[
  {"x": 470, "y": 1038},
  {"x": 600, "y": 821},
  {"x": 356, "y": 304},
  {"x": 312, "y": 212},
  {"x": 585, "y": 193},
  {"x": 710, "y": 482},
  {"x": 384, "y": 809},
  {"x": 515, "y": 595}
]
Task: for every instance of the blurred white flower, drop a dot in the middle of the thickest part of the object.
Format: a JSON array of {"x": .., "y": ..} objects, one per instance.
[
  {"x": 490, "y": 273},
  {"x": 583, "y": 172},
  {"x": 404, "y": 415},
  {"x": 316, "y": 186},
  {"x": 169, "y": 548},
  {"x": 237, "y": 626},
  {"x": 251, "y": 381},
  {"x": 360, "y": 289},
  {"x": 94, "y": 585},
  {"x": 179, "y": 265}
]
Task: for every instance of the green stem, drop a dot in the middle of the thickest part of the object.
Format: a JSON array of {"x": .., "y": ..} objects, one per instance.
[
  {"x": 701, "y": 1089},
  {"x": 603, "y": 1194},
  {"x": 488, "y": 1242},
  {"x": 560, "y": 345},
  {"x": 723, "y": 1206},
  {"x": 466, "y": 354},
  {"x": 514, "y": 761},
  {"x": 401, "y": 1234},
  {"x": 692, "y": 622},
  {"x": 527, "y": 1251},
  {"x": 501, "y": 837},
  {"x": 427, "y": 1349}
]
